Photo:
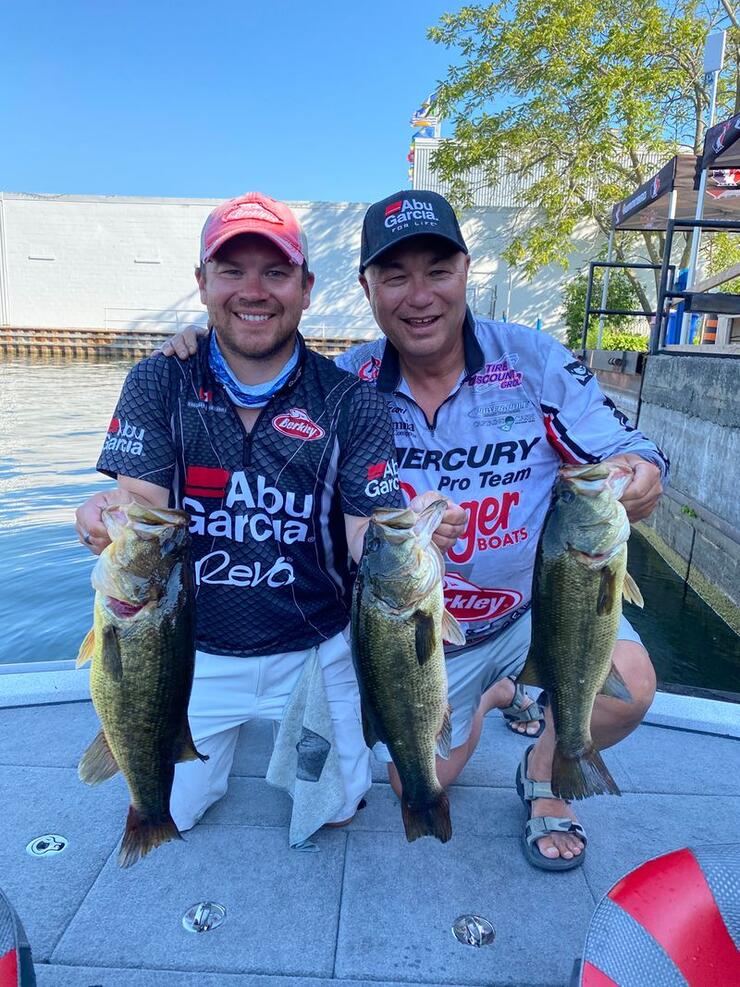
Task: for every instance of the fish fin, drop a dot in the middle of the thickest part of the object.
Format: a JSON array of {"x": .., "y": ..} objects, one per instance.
[
  {"x": 607, "y": 592},
  {"x": 142, "y": 835},
  {"x": 368, "y": 730},
  {"x": 186, "y": 749},
  {"x": 631, "y": 591},
  {"x": 98, "y": 763},
  {"x": 425, "y": 634},
  {"x": 111, "y": 653},
  {"x": 614, "y": 685},
  {"x": 444, "y": 737},
  {"x": 529, "y": 674},
  {"x": 579, "y": 777},
  {"x": 452, "y": 632},
  {"x": 432, "y": 820},
  {"x": 87, "y": 648}
]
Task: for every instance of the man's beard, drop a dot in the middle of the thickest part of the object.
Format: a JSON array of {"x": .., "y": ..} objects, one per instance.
[{"x": 246, "y": 348}]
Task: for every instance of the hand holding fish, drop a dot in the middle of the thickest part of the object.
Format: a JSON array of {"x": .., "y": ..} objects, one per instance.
[
  {"x": 453, "y": 520},
  {"x": 89, "y": 525},
  {"x": 645, "y": 488}
]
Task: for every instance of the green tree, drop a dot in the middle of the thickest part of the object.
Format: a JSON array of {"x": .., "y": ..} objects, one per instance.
[
  {"x": 621, "y": 332},
  {"x": 578, "y": 99}
]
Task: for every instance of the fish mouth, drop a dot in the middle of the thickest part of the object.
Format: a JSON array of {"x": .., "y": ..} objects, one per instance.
[
  {"x": 592, "y": 479},
  {"x": 399, "y": 524},
  {"x": 122, "y": 608},
  {"x": 596, "y": 560}
]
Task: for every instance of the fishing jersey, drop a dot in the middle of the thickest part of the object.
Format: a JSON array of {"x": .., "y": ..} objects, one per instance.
[
  {"x": 269, "y": 550},
  {"x": 522, "y": 407}
]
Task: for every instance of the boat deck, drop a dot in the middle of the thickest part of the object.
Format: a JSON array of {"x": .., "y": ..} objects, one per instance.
[{"x": 368, "y": 908}]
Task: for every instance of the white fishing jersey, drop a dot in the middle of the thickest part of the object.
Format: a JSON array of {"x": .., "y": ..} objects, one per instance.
[{"x": 523, "y": 406}]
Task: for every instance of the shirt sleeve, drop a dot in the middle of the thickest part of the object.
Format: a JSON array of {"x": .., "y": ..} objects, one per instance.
[
  {"x": 583, "y": 425},
  {"x": 139, "y": 442},
  {"x": 368, "y": 471}
]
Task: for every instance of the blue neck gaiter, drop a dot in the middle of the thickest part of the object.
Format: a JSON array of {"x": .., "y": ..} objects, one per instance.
[{"x": 248, "y": 395}]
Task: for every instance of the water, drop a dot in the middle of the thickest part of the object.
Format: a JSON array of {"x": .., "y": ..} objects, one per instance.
[{"x": 53, "y": 417}]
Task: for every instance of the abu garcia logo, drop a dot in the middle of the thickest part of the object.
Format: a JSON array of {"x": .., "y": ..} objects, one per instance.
[
  {"x": 124, "y": 436},
  {"x": 382, "y": 478},
  {"x": 408, "y": 210}
]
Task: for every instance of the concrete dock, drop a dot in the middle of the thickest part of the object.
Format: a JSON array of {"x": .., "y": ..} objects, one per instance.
[{"x": 367, "y": 908}]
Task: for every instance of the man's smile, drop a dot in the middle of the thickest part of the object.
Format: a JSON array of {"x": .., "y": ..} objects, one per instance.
[{"x": 253, "y": 317}]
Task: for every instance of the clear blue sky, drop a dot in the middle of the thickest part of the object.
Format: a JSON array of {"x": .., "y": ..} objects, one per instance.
[{"x": 166, "y": 98}]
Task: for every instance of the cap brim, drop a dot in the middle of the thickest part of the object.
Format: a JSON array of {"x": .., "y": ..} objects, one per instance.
[
  {"x": 237, "y": 229},
  {"x": 407, "y": 236}
]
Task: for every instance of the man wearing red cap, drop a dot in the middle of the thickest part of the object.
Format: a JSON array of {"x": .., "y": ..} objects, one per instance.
[{"x": 268, "y": 446}]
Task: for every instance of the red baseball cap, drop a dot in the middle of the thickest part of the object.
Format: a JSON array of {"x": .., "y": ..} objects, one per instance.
[{"x": 254, "y": 213}]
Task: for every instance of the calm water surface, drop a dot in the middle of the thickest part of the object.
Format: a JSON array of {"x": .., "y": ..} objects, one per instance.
[{"x": 53, "y": 417}]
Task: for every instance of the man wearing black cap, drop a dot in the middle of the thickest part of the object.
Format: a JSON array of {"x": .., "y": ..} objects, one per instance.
[{"x": 485, "y": 413}]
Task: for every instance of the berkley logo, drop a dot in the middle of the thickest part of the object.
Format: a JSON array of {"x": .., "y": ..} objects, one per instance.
[
  {"x": 469, "y": 602},
  {"x": 298, "y": 425},
  {"x": 369, "y": 371}
]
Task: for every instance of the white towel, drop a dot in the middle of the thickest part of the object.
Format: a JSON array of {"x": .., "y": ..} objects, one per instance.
[{"x": 305, "y": 761}]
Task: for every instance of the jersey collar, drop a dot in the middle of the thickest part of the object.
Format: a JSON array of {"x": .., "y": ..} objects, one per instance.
[{"x": 389, "y": 375}]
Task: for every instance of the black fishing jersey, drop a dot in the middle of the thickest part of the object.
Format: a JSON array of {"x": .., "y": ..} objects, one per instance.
[{"x": 269, "y": 550}]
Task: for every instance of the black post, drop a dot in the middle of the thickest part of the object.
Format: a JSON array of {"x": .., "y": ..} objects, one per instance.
[
  {"x": 656, "y": 332},
  {"x": 589, "y": 289}
]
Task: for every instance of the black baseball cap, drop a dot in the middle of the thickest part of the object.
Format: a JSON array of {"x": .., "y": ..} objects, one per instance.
[{"x": 411, "y": 212}]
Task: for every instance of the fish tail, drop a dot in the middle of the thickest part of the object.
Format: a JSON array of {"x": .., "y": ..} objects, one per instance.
[
  {"x": 430, "y": 820},
  {"x": 579, "y": 777},
  {"x": 143, "y": 834}
]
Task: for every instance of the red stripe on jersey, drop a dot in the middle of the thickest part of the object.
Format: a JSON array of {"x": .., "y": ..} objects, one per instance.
[
  {"x": 555, "y": 442},
  {"x": 206, "y": 481},
  {"x": 671, "y": 899},
  {"x": 591, "y": 977},
  {"x": 9, "y": 969}
]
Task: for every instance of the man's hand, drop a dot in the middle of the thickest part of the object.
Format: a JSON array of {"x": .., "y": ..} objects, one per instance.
[
  {"x": 184, "y": 344},
  {"x": 89, "y": 523},
  {"x": 642, "y": 494},
  {"x": 453, "y": 519}
]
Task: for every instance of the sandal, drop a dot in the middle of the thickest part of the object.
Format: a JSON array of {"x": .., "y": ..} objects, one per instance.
[
  {"x": 518, "y": 713},
  {"x": 539, "y": 826}
]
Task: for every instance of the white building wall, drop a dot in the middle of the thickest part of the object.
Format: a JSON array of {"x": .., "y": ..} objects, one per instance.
[{"x": 98, "y": 261}]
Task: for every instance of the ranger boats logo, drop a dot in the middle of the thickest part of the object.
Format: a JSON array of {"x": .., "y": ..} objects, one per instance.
[
  {"x": 296, "y": 424},
  {"x": 469, "y": 602}
]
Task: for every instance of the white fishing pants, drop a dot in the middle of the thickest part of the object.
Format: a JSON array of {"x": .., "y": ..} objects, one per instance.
[{"x": 229, "y": 691}]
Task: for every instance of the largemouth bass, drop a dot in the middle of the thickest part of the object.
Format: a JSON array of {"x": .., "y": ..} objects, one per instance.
[
  {"x": 142, "y": 647},
  {"x": 398, "y": 625},
  {"x": 579, "y": 578}
]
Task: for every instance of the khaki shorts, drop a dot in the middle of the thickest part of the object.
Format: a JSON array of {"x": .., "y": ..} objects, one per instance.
[{"x": 471, "y": 672}]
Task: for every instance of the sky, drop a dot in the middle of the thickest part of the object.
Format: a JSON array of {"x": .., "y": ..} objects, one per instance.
[{"x": 304, "y": 101}]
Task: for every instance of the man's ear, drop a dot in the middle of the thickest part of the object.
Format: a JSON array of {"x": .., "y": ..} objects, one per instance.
[
  {"x": 200, "y": 277},
  {"x": 307, "y": 289},
  {"x": 363, "y": 281}
]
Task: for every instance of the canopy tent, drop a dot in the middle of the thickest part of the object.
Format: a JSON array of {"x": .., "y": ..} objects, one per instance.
[{"x": 652, "y": 205}]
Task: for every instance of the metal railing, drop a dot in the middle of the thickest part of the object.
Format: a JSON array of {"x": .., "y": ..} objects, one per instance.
[
  {"x": 717, "y": 303},
  {"x": 617, "y": 311}
]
